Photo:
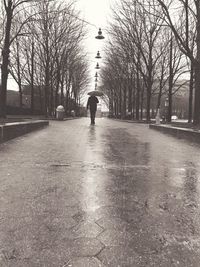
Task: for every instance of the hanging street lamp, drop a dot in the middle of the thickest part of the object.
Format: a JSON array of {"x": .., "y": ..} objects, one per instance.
[
  {"x": 100, "y": 36},
  {"x": 98, "y": 55},
  {"x": 96, "y": 92},
  {"x": 97, "y": 66}
]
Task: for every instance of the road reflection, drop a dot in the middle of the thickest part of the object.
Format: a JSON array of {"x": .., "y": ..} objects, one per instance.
[
  {"x": 92, "y": 136},
  {"x": 94, "y": 171}
]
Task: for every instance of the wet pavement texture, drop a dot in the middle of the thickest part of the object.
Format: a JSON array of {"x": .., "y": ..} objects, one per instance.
[{"x": 113, "y": 194}]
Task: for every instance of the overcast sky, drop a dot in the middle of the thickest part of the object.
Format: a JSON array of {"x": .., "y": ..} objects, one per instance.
[{"x": 97, "y": 13}]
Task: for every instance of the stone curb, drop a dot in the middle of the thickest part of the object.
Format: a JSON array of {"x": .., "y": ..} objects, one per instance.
[
  {"x": 14, "y": 129},
  {"x": 65, "y": 119},
  {"x": 129, "y": 121},
  {"x": 185, "y": 133}
]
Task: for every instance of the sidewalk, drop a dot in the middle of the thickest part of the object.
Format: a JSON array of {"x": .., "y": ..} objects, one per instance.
[
  {"x": 179, "y": 130},
  {"x": 14, "y": 126},
  {"x": 113, "y": 194}
]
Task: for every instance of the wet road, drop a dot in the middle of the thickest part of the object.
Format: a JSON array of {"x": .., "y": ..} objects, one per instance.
[{"x": 113, "y": 194}]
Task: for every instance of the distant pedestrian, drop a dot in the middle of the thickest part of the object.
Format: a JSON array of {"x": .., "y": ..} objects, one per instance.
[{"x": 92, "y": 103}]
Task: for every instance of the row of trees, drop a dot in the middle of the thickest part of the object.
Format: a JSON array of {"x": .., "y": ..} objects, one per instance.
[
  {"x": 153, "y": 44},
  {"x": 41, "y": 45}
]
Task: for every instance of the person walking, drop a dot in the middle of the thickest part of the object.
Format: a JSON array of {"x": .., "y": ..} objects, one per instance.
[{"x": 92, "y": 103}]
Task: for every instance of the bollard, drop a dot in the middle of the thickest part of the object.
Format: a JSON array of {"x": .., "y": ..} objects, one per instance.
[
  {"x": 158, "y": 116},
  {"x": 73, "y": 113},
  {"x": 60, "y": 111}
]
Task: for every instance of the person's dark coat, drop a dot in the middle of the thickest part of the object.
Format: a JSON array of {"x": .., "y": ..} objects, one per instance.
[{"x": 92, "y": 103}]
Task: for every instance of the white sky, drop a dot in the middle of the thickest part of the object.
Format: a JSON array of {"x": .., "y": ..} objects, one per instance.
[{"x": 97, "y": 13}]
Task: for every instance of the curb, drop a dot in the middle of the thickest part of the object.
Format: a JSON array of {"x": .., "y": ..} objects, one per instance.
[
  {"x": 65, "y": 119},
  {"x": 181, "y": 133},
  {"x": 130, "y": 121},
  {"x": 14, "y": 129}
]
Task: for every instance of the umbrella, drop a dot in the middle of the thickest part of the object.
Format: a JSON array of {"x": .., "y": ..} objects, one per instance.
[{"x": 96, "y": 93}]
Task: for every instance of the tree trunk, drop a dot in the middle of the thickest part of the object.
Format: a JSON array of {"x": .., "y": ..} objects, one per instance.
[
  {"x": 62, "y": 90},
  {"x": 148, "y": 116},
  {"x": 196, "y": 119},
  {"x": 40, "y": 94},
  {"x": 32, "y": 78},
  {"x": 130, "y": 97},
  {"x": 57, "y": 84},
  {"x": 111, "y": 108},
  {"x": 52, "y": 99},
  {"x": 67, "y": 102},
  {"x": 169, "y": 112},
  {"x": 116, "y": 108},
  {"x": 149, "y": 87},
  {"x": 124, "y": 102},
  {"x": 120, "y": 101},
  {"x": 160, "y": 89},
  {"x": 5, "y": 61},
  {"x": 141, "y": 102},
  {"x": 138, "y": 96},
  {"x": 47, "y": 83},
  {"x": 134, "y": 100},
  {"x": 19, "y": 77},
  {"x": 191, "y": 94},
  {"x": 159, "y": 99}
]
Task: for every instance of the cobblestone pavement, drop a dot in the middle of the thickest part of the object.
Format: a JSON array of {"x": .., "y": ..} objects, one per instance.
[{"x": 114, "y": 194}]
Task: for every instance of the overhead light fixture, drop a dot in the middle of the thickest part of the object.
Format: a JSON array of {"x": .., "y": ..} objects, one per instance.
[
  {"x": 97, "y": 66},
  {"x": 100, "y": 36},
  {"x": 98, "y": 55}
]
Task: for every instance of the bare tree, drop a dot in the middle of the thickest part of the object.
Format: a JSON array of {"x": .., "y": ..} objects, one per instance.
[
  {"x": 46, "y": 50},
  {"x": 12, "y": 10},
  {"x": 17, "y": 66},
  {"x": 139, "y": 42},
  {"x": 185, "y": 28}
]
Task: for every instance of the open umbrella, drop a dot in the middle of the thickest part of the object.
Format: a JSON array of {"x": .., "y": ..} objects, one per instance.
[{"x": 96, "y": 93}]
